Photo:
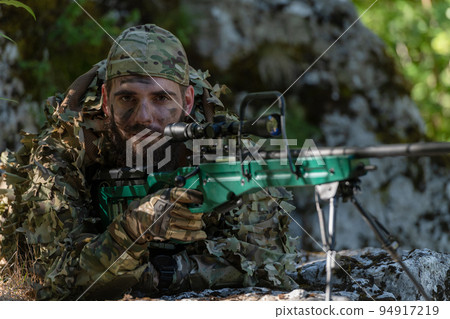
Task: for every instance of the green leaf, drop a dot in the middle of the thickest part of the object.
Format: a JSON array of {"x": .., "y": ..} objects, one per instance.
[
  {"x": 6, "y": 37},
  {"x": 18, "y": 4},
  {"x": 441, "y": 43},
  {"x": 9, "y": 100}
]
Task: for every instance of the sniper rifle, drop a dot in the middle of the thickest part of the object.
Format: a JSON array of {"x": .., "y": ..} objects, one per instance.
[{"x": 224, "y": 172}]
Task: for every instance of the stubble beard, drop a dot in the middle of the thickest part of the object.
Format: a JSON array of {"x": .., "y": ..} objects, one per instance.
[{"x": 119, "y": 147}]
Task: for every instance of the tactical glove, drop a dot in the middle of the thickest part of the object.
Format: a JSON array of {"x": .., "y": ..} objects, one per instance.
[{"x": 163, "y": 216}]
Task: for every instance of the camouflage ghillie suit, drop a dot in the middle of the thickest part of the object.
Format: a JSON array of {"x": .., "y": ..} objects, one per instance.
[{"x": 49, "y": 217}]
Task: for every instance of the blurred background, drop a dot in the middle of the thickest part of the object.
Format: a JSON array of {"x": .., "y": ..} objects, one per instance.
[{"x": 386, "y": 80}]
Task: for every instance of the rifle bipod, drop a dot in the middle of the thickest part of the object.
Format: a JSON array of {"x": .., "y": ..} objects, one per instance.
[
  {"x": 346, "y": 189},
  {"x": 328, "y": 192}
]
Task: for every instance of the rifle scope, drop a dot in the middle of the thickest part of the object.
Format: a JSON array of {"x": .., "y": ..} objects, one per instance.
[{"x": 267, "y": 126}]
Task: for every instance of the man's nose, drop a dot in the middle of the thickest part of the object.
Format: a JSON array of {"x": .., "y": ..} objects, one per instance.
[{"x": 144, "y": 114}]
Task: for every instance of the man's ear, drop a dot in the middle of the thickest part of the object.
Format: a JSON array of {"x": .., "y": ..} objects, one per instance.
[
  {"x": 105, "y": 107},
  {"x": 189, "y": 98}
]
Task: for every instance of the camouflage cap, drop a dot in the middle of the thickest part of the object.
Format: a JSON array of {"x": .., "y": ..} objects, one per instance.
[{"x": 148, "y": 50}]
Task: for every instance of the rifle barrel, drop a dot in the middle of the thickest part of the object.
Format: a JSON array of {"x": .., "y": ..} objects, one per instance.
[
  {"x": 386, "y": 150},
  {"x": 411, "y": 149}
]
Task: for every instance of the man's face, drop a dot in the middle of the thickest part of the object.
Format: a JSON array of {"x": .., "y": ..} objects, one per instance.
[
  {"x": 140, "y": 102},
  {"x": 135, "y": 103}
]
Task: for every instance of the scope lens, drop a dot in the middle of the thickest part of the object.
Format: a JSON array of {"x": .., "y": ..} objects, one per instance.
[{"x": 272, "y": 125}]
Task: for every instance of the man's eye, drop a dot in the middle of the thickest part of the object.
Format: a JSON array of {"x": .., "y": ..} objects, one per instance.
[
  {"x": 127, "y": 99},
  {"x": 161, "y": 98}
]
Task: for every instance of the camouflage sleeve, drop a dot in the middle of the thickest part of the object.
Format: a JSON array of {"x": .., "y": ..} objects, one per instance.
[
  {"x": 52, "y": 211},
  {"x": 254, "y": 240}
]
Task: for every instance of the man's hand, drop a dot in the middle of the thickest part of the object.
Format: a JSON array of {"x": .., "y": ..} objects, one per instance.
[{"x": 164, "y": 215}]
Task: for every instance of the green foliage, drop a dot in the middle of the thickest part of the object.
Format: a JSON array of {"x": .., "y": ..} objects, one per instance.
[
  {"x": 18, "y": 4},
  {"x": 9, "y": 100},
  {"x": 297, "y": 125},
  {"x": 178, "y": 21},
  {"x": 417, "y": 35},
  {"x": 64, "y": 43},
  {"x": 6, "y": 37}
]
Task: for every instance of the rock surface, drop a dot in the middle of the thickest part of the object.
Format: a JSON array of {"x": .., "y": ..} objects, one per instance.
[
  {"x": 14, "y": 116},
  {"x": 236, "y": 294},
  {"x": 371, "y": 274},
  {"x": 367, "y": 274}
]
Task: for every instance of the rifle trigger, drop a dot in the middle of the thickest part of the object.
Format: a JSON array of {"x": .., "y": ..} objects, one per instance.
[{"x": 180, "y": 180}]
